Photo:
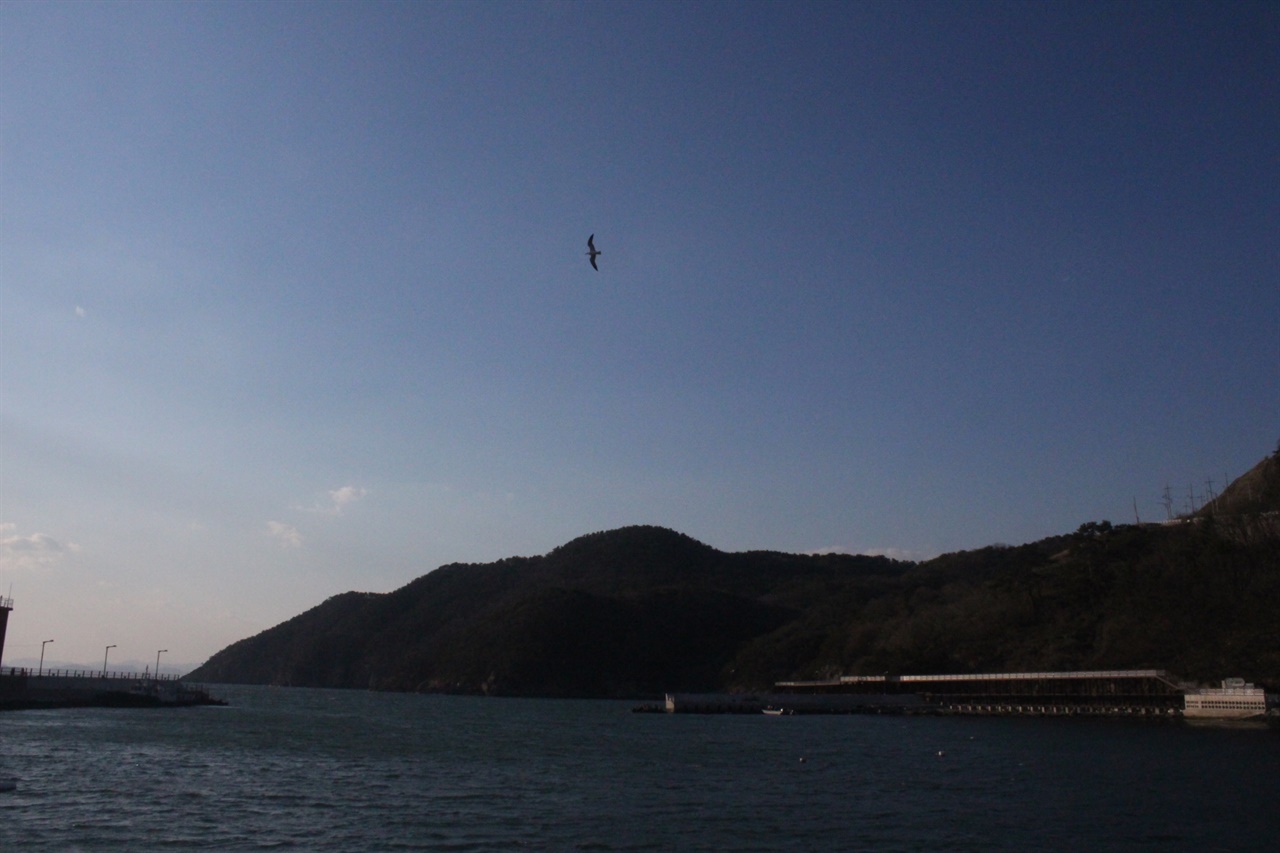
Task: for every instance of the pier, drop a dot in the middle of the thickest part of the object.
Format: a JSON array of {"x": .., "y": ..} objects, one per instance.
[
  {"x": 1149, "y": 693},
  {"x": 1133, "y": 692},
  {"x": 21, "y": 689}
]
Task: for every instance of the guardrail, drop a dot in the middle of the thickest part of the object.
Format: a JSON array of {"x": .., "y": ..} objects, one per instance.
[{"x": 87, "y": 673}]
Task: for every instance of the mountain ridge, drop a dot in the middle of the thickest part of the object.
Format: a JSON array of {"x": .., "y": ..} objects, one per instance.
[{"x": 641, "y": 610}]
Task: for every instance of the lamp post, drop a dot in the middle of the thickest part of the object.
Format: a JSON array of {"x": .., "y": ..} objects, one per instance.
[
  {"x": 42, "y": 645},
  {"x": 104, "y": 660},
  {"x": 158, "y": 663}
]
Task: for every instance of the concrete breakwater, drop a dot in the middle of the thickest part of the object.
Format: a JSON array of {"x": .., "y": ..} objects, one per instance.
[{"x": 22, "y": 690}]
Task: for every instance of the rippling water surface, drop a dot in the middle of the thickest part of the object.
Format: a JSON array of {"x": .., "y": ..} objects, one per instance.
[{"x": 335, "y": 770}]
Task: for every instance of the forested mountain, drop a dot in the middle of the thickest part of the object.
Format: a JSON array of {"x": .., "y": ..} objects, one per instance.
[{"x": 642, "y": 610}]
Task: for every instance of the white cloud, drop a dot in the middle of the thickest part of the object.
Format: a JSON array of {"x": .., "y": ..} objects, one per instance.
[
  {"x": 288, "y": 536},
  {"x": 346, "y": 495},
  {"x": 35, "y": 551},
  {"x": 339, "y": 500},
  {"x": 79, "y": 311}
]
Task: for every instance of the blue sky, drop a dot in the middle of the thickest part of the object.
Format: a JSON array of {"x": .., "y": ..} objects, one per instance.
[{"x": 294, "y": 297}]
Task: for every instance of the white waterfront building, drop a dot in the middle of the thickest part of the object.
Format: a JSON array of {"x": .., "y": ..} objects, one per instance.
[{"x": 1234, "y": 699}]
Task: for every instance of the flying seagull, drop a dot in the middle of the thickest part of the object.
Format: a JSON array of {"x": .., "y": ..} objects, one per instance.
[{"x": 593, "y": 251}]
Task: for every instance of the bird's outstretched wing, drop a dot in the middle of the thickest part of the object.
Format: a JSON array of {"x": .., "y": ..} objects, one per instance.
[{"x": 591, "y": 243}]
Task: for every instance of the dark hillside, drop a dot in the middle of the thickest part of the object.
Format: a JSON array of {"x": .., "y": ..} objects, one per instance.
[
  {"x": 1197, "y": 599},
  {"x": 629, "y": 612},
  {"x": 642, "y": 610},
  {"x": 1257, "y": 491}
]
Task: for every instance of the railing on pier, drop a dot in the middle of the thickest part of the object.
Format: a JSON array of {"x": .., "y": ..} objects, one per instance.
[
  {"x": 22, "y": 688},
  {"x": 86, "y": 673}
]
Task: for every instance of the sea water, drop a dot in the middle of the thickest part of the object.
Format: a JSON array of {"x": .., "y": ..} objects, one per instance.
[{"x": 348, "y": 771}]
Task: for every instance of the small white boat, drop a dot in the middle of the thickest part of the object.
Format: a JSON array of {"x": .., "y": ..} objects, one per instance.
[{"x": 779, "y": 712}]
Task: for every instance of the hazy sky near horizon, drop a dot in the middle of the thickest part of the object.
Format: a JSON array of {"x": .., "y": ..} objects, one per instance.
[{"x": 294, "y": 297}]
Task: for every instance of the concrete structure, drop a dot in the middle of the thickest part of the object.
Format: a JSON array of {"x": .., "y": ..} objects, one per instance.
[
  {"x": 20, "y": 689},
  {"x": 1235, "y": 699}
]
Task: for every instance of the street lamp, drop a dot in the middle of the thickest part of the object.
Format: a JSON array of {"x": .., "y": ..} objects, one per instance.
[
  {"x": 104, "y": 660},
  {"x": 158, "y": 663},
  {"x": 42, "y": 645}
]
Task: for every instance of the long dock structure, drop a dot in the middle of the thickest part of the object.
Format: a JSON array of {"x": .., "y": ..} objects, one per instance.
[
  {"x": 1115, "y": 693},
  {"x": 1112, "y": 692}
]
